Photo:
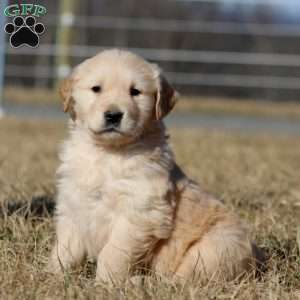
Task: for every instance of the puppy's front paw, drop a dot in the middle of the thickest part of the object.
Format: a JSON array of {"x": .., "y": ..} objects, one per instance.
[
  {"x": 55, "y": 265},
  {"x": 105, "y": 274},
  {"x": 102, "y": 276}
]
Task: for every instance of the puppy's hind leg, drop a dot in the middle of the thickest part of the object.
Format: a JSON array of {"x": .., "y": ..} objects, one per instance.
[
  {"x": 68, "y": 249},
  {"x": 222, "y": 254}
]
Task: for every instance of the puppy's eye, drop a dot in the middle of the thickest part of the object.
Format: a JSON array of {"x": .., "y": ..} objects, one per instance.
[
  {"x": 96, "y": 89},
  {"x": 134, "y": 91}
]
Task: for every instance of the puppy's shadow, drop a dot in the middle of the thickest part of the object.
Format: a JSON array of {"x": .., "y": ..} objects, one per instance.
[{"x": 40, "y": 207}]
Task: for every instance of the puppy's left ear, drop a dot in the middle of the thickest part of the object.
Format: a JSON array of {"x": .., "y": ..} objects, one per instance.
[{"x": 166, "y": 95}]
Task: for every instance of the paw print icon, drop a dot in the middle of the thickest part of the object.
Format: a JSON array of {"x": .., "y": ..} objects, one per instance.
[{"x": 24, "y": 32}]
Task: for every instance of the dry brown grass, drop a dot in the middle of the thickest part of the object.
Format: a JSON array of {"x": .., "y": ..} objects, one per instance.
[
  {"x": 243, "y": 107},
  {"x": 20, "y": 95},
  {"x": 257, "y": 176}
]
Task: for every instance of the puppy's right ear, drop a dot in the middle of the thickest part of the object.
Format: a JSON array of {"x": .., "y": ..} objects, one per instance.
[{"x": 65, "y": 92}]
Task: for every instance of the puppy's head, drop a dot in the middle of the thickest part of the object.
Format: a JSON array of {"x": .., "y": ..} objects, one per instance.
[{"x": 116, "y": 95}]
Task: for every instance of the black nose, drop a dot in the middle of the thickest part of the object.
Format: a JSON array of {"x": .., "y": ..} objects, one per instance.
[{"x": 113, "y": 118}]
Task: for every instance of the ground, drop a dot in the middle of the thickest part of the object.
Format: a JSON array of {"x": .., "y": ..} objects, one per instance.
[{"x": 255, "y": 175}]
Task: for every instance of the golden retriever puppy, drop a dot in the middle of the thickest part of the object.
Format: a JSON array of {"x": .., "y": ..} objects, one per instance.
[{"x": 122, "y": 199}]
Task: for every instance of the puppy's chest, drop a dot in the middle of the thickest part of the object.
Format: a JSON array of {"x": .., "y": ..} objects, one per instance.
[{"x": 111, "y": 182}]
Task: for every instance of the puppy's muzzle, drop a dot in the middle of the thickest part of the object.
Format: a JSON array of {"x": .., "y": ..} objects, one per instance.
[{"x": 113, "y": 118}]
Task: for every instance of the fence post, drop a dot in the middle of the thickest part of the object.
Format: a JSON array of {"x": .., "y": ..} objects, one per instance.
[
  {"x": 64, "y": 38},
  {"x": 3, "y": 4}
]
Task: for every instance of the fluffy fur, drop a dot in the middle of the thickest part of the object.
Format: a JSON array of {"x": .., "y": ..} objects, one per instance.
[{"x": 122, "y": 200}]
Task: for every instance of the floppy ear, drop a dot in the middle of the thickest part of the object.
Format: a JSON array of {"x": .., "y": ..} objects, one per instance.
[
  {"x": 166, "y": 96},
  {"x": 65, "y": 92}
]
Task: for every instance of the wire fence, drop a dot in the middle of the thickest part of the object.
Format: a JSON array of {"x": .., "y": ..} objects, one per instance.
[
  {"x": 185, "y": 76},
  {"x": 178, "y": 55},
  {"x": 150, "y": 24}
]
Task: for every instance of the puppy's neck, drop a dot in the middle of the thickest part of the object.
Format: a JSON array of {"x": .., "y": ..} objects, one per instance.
[{"x": 155, "y": 133}]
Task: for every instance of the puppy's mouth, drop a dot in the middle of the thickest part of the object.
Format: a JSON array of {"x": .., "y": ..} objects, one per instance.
[{"x": 107, "y": 130}]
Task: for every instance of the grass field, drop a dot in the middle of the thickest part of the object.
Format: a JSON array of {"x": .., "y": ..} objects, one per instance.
[{"x": 257, "y": 176}]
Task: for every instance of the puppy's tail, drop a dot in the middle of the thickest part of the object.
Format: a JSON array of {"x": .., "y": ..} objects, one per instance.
[{"x": 40, "y": 207}]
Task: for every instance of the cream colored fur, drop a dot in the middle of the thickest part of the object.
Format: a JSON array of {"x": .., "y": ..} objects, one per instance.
[{"x": 122, "y": 200}]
